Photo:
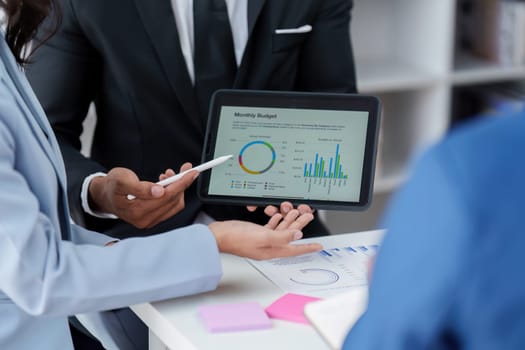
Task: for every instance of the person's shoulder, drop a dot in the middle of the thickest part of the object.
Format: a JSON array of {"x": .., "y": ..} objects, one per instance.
[
  {"x": 489, "y": 136},
  {"x": 483, "y": 157},
  {"x": 501, "y": 127},
  {"x": 479, "y": 153}
]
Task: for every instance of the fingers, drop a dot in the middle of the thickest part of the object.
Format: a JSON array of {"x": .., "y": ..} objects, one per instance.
[
  {"x": 166, "y": 174},
  {"x": 294, "y": 250},
  {"x": 171, "y": 172},
  {"x": 152, "y": 203},
  {"x": 185, "y": 166},
  {"x": 251, "y": 208},
  {"x": 142, "y": 190},
  {"x": 183, "y": 183},
  {"x": 293, "y": 220},
  {"x": 303, "y": 209},
  {"x": 277, "y": 238},
  {"x": 156, "y": 191},
  {"x": 173, "y": 200},
  {"x": 121, "y": 182},
  {"x": 271, "y": 210},
  {"x": 253, "y": 241},
  {"x": 279, "y": 245},
  {"x": 285, "y": 208},
  {"x": 301, "y": 221},
  {"x": 274, "y": 221},
  {"x": 288, "y": 219},
  {"x": 129, "y": 184}
]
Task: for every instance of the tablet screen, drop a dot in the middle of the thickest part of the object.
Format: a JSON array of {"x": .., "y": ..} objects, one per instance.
[{"x": 304, "y": 153}]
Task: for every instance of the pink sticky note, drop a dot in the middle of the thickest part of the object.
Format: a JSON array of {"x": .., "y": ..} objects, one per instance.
[
  {"x": 290, "y": 307},
  {"x": 234, "y": 317}
]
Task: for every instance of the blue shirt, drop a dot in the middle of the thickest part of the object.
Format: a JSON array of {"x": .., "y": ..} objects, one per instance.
[{"x": 450, "y": 271}]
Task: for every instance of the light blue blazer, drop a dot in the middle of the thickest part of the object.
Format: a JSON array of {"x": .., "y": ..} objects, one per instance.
[{"x": 43, "y": 278}]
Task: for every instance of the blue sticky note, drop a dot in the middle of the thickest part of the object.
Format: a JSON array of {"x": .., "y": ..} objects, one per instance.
[{"x": 234, "y": 317}]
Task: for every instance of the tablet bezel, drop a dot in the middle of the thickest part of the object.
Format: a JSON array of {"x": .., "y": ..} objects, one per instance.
[{"x": 303, "y": 100}]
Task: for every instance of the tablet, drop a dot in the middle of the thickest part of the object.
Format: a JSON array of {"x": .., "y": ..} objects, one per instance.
[{"x": 312, "y": 148}]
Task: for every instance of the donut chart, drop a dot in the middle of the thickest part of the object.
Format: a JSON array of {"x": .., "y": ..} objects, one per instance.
[
  {"x": 257, "y": 157},
  {"x": 315, "y": 277}
]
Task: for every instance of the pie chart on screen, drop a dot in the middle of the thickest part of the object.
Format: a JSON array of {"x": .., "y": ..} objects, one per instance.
[{"x": 257, "y": 157}]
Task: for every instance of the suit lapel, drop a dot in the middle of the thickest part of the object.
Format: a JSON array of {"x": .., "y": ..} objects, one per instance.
[
  {"x": 159, "y": 22},
  {"x": 254, "y": 10}
]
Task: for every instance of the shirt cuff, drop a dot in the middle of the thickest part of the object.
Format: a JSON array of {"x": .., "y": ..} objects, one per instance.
[{"x": 85, "y": 202}]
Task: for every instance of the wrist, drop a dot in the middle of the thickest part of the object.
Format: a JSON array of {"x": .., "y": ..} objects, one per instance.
[
  {"x": 94, "y": 190},
  {"x": 86, "y": 198},
  {"x": 215, "y": 228}
]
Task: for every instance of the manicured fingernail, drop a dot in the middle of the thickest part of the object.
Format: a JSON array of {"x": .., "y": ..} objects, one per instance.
[
  {"x": 157, "y": 191},
  {"x": 297, "y": 235}
]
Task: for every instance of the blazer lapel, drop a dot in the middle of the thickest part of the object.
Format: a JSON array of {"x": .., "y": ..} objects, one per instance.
[
  {"x": 35, "y": 116},
  {"x": 254, "y": 10},
  {"x": 159, "y": 22},
  {"x": 45, "y": 135}
]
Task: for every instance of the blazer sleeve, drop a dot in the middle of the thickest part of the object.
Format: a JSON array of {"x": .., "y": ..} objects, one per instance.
[
  {"x": 44, "y": 275},
  {"x": 70, "y": 62},
  {"x": 326, "y": 61},
  {"x": 80, "y": 235}
]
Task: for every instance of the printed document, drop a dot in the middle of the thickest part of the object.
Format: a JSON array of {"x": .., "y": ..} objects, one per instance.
[{"x": 329, "y": 272}]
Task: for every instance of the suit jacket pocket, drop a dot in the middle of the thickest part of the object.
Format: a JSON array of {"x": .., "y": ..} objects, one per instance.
[{"x": 284, "y": 42}]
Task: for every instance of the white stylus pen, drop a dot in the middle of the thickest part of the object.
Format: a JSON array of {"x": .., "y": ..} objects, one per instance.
[{"x": 199, "y": 168}]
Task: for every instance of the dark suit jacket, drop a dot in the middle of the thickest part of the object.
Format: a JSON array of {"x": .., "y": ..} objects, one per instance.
[{"x": 125, "y": 56}]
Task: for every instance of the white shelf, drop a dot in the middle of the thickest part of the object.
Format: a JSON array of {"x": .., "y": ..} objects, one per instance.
[
  {"x": 386, "y": 184},
  {"x": 377, "y": 75},
  {"x": 470, "y": 69}
]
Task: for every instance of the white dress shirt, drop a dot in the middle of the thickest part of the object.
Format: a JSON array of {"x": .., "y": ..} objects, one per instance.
[
  {"x": 238, "y": 15},
  {"x": 183, "y": 13}
]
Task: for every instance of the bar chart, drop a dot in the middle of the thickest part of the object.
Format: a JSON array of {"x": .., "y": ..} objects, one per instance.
[
  {"x": 324, "y": 173},
  {"x": 318, "y": 168}
]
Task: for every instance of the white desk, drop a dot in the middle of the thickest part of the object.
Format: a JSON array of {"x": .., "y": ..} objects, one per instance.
[{"x": 175, "y": 324}]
